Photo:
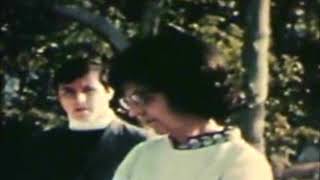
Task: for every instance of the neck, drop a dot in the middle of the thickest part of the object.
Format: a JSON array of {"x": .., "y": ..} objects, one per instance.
[
  {"x": 194, "y": 127},
  {"x": 99, "y": 122}
]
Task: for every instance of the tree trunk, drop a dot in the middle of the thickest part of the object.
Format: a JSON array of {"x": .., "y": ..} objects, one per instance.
[
  {"x": 255, "y": 62},
  {"x": 301, "y": 170}
]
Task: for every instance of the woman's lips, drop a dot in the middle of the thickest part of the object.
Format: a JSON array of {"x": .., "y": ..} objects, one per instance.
[{"x": 81, "y": 109}]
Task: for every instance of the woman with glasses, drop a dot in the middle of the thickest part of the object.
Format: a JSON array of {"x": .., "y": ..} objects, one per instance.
[{"x": 175, "y": 83}]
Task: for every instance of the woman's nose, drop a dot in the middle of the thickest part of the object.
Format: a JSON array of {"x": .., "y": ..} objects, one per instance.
[{"x": 81, "y": 98}]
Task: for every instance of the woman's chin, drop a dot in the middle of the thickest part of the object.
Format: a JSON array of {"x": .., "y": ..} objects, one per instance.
[{"x": 157, "y": 128}]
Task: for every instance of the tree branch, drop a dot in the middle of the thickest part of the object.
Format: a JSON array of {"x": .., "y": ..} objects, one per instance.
[
  {"x": 98, "y": 24},
  {"x": 301, "y": 170},
  {"x": 151, "y": 18}
]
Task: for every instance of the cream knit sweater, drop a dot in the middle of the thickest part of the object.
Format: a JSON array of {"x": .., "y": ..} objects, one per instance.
[{"x": 231, "y": 160}]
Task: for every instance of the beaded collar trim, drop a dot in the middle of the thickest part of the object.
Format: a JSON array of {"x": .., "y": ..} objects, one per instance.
[{"x": 203, "y": 140}]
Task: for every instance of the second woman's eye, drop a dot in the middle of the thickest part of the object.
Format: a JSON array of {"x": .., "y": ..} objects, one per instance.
[
  {"x": 67, "y": 92},
  {"x": 88, "y": 89}
]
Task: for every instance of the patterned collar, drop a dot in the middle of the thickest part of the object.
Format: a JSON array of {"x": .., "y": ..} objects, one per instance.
[{"x": 202, "y": 140}]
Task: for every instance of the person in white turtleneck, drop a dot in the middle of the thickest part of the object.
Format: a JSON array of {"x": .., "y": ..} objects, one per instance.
[
  {"x": 95, "y": 141},
  {"x": 85, "y": 102}
]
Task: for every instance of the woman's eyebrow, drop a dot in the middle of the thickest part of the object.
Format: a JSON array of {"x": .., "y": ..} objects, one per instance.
[{"x": 67, "y": 88}]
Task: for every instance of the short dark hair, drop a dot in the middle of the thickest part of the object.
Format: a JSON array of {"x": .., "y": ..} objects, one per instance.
[
  {"x": 178, "y": 65},
  {"x": 73, "y": 69}
]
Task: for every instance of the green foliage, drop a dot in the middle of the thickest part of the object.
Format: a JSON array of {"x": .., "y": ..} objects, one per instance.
[{"x": 34, "y": 41}]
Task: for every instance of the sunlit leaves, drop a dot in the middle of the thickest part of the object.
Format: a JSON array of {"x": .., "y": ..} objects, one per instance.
[{"x": 34, "y": 41}]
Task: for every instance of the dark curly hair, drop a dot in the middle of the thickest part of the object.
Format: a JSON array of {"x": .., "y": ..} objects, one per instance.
[
  {"x": 73, "y": 69},
  {"x": 178, "y": 65}
]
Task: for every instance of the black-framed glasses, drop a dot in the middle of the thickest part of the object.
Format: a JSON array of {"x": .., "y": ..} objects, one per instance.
[{"x": 136, "y": 99}]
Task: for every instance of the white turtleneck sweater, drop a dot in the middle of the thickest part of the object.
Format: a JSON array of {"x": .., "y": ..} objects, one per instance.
[
  {"x": 233, "y": 159},
  {"x": 94, "y": 124}
]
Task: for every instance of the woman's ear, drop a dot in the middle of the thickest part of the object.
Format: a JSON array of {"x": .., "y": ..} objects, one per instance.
[{"x": 109, "y": 90}]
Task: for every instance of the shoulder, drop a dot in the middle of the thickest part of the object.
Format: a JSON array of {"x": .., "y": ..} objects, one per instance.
[
  {"x": 243, "y": 152},
  {"x": 53, "y": 132},
  {"x": 49, "y": 136},
  {"x": 236, "y": 147},
  {"x": 123, "y": 129},
  {"x": 242, "y": 158},
  {"x": 246, "y": 162},
  {"x": 153, "y": 144},
  {"x": 43, "y": 143}
]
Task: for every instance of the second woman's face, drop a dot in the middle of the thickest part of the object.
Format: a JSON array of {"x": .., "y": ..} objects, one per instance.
[
  {"x": 150, "y": 108},
  {"x": 85, "y": 98}
]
